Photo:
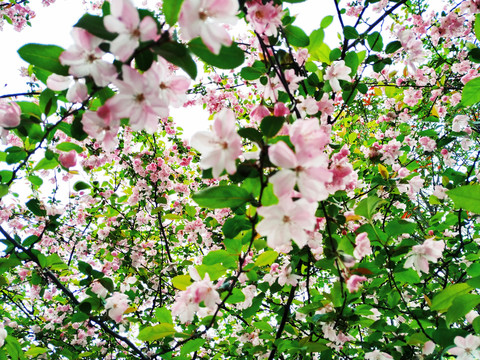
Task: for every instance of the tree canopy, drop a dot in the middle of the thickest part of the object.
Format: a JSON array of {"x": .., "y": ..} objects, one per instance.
[{"x": 331, "y": 210}]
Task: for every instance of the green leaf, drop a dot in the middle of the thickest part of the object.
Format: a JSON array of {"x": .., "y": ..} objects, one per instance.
[
  {"x": 34, "y": 351},
  {"x": 266, "y": 258},
  {"x": 296, "y": 36},
  {"x": 466, "y": 197},
  {"x": 3, "y": 190},
  {"x": 233, "y": 226},
  {"x": 228, "y": 58},
  {"x": 236, "y": 297},
  {"x": 461, "y": 306},
  {"x": 181, "y": 282},
  {"x": 326, "y": 21},
  {"x": 271, "y": 125},
  {"x": 375, "y": 41},
  {"x": 46, "y": 164},
  {"x": 77, "y": 129},
  {"x": 177, "y": 54},
  {"x": 476, "y": 26},
  {"x": 85, "y": 268},
  {"x": 263, "y": 325},
  {"x": 94, "y": 25},
  {"x": 144, "y": 59},
  {"x": 350, "y": 32},
  {"x": 15, "y": 155},
  {"x": 152, "y": 333},
  {"x": 398, "y": 227},
  {"x": 251, "y": 134},
  {"x": 44, "y": 56},
  {"x": 444, "y": 299},
  {"x": 80, "y": 185},
  {"x": 163, "y": 315},
  {"x": 107, "y": 283},
  {"x": 392, "y": 47},
  {"x": 251, "y": 73},
  {"x": 34, "y": 206},
  {"x": 471, "y": 92},
  {"x": 171, "y": 9},
  {"x": 30, "y": 109},
  {"x": 191, "y": 346},
  {"x": 68, "y": 146},
  {"x": 215, "y": 271},
  {"x": 218, "y": 197},
  {"x": 367, "y": 207},
  {"x": 48, "y": 102},
  {"x": 220, "y": 257},
  {"x": 351, "y": 60},
  {"x": 318, "y": 50}
]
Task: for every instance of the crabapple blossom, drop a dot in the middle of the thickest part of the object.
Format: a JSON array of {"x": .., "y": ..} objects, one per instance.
[
  {"x": 265, "y": 18},
  {"x": 362, "y": 246},
  {"x": 459, "y": 123},
  {"x": 300, "y": 170},
  {"x": 84, "y": 58},
  {"x": 77, "y": 90},
  {"x": 102, "y": 125},
  {"x": 420, "y": 255},
  {"x": 204, "y": 18},
  {"x": 377, "y": 355},
  {"x": 221, "y": 148},
  {"x": 188, "y": 302},
  {"x": 171, "y": 88},
  {"x": 427, "y": 143},
  {"x": 467, "y": 348},
  {"x": 3, "y": 334},
  {"x": 116, "y": 305},
  {"x": 125, "y": 21},
  {"x": 138, "y": 99},
  {"x": 9, "y": 114},
  {"x": 286, "y": 221},
  {"x": 354, "y": 282},
  {"x": 335, "y": 72},
  {"x": 68, "y": 159}
]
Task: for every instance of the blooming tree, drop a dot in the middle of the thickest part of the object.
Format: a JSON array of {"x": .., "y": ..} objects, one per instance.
[{"x": 330, "y": 212}]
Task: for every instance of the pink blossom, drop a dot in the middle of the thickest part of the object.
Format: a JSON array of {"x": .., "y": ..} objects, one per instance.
[
  {"x": 221, "y": 148},
  {"x": 116, "y": 304},
  {"x": 204, "y": 18},
  {"x": 188, "y": 302},
  {"x": 138, "y": 100},
  {"x": 467, "y": 347},
  {"x": 459, "y": 123},
  {"x": 280, "y": 109},
  {"x": 68, "y": 159},
  {"x": 377, "y": 355},
  {"x": 428, "y": 348},
  {"x": 427, "y": 143},
  {"x": 310, "y": 173},
  {"x": 335, "y": 72},
  {"x": 354, "y": 282},
  {"x": 362, "y": 246},
  {"x": 3, "y": 335},
  {"x": 102, "y": 125},
  {"x": 171, "y": 88},
  {"x": 285, "y": 221},
  {"x": 84, "y": 58},
  {"x": 420, "y": 255},
  {"x": 77, "y": 90},
  {"x": 9, "y": 114},
  {"x": 125, "y": 21},
  {"x": 264, "y": 18},
  {"x": 259, "y": 112}
]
